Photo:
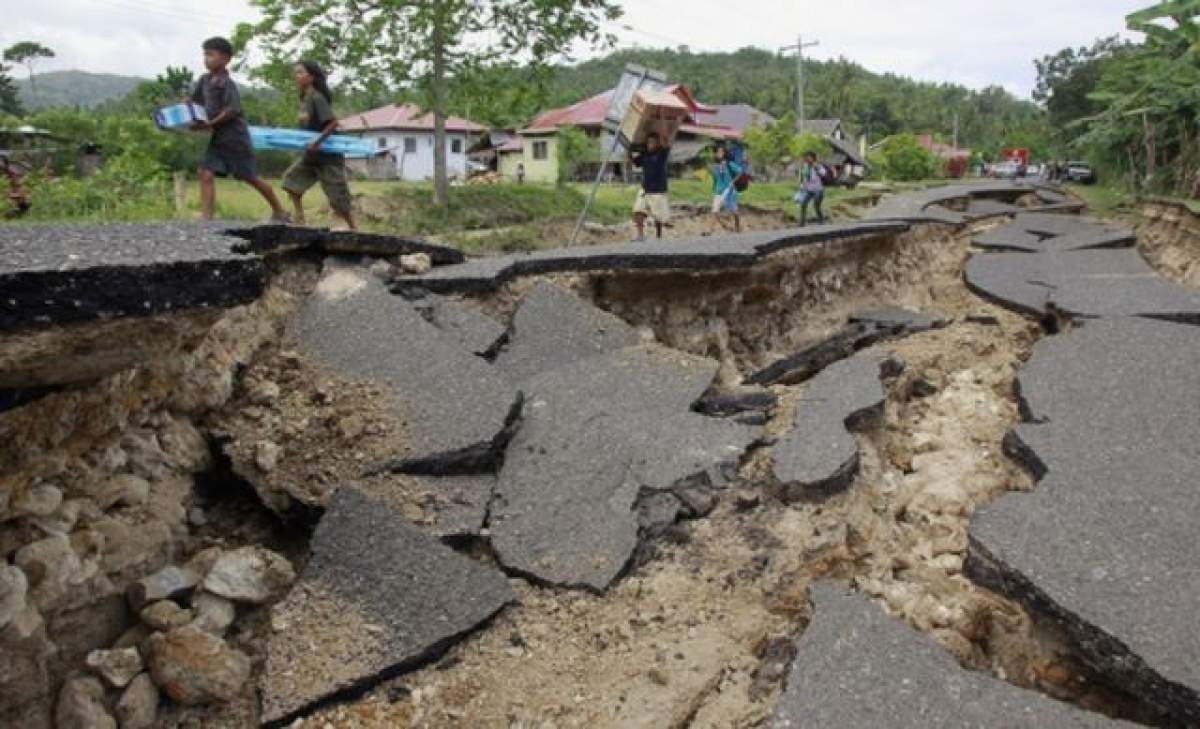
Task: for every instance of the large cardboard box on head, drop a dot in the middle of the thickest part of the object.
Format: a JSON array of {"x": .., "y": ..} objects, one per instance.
[{"x": 653, "y": 111}]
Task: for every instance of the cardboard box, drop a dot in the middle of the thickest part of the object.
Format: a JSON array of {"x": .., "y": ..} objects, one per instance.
[
  {"x": 653, "y": 111},
  {"x": 179, "y": 117}
]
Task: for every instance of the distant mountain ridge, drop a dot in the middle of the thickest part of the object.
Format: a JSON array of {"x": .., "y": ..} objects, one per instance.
[{"x": 74, "y": 88}]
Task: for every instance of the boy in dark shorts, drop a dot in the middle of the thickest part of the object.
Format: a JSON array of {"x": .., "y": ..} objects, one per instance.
[
  {"x": 229, "y": 152},
  {"x": 316, "y": 115}
]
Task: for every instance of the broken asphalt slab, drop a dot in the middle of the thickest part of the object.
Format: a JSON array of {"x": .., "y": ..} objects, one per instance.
[
  {"x": 266, "y": 239},
  {"x": 377, "y": 597},
  {"x": 1105, "y": 545},
  {"x": 699, "y": 254},
  {"x": 863, "y": 329},
  {"x": 52, "y": 275},
  {"x": 856, "y": 666},
  {"x": 477, "y": 332},
  {"x": 456, "y": 408},
  {"x": 1094, "y": 282},
  {"x": 930, "y": 205},
  {"x": 552, "y": 327},
  {"x": 1039, "y": 233},
  {"x": 596, "y": 435},
  {"x": 819, "y": 455}
]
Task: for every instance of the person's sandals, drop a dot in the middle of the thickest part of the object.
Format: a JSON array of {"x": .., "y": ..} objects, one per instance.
[{"x": 284, "y": 218}]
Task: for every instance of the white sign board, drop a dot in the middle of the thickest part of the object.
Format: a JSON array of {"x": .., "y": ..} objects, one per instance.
[{"x": 633, "y": 78}]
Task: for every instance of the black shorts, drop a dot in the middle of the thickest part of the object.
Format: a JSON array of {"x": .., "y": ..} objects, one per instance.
[{"x": 229, "y": 163}]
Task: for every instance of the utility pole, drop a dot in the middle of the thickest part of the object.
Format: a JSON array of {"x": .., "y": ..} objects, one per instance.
[{"x": 799, "y": 48}]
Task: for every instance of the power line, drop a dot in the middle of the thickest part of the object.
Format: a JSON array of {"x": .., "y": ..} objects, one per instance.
[
  {"x": 168, "y": 12},
  {"x": 799, "y": 48}
]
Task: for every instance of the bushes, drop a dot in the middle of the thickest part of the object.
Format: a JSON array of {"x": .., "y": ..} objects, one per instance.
[
  {"x": 901, "y": 157},
  {"x": 130, "y": 186},
  {"x": 574, "y": 148}
]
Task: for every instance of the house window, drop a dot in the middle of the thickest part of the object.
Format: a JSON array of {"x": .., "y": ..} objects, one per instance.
[
  {"x": 541, "y": 150},
  {"x": 383, "y": 142},
  {"x": 410, "y": 145},
  {"x": 456, "y": 146}
]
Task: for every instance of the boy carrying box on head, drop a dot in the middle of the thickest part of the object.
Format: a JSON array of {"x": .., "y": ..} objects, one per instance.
[
  {"x": 652, "y": 199},
  {"x": 229, "y": 151}
]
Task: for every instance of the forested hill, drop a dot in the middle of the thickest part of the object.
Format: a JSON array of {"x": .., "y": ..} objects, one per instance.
[
  {"x": 74, "y": 88},
  {"x": 877, "y": 104}
]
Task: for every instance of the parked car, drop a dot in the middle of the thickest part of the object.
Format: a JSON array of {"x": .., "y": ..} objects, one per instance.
[
  {"x": 1004, "y": 170},
  {"x": 1033, "y": 170},
  {"x": 1080, "y": 172}
]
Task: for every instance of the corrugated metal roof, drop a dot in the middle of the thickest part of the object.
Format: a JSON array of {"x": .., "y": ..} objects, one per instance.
[
  {"x": 741, "y": 117},
  {"x": 591, "y": 111},
  {"x": 403, "y": 116},
  {"x": 822, "y": 127}
]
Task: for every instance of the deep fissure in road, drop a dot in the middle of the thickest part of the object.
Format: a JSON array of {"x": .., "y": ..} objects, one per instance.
[{"x": 697, "y": 626}]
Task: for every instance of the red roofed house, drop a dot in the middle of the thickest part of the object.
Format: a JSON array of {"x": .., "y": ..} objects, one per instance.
[
  {"x": 537, "y": 149},
  {"x": 404, "y": 137},
  {"x": 955, "y": 160}
]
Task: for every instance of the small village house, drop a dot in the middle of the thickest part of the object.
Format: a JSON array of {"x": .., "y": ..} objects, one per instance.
[
  {"x": 740, "y": 117},
  {"x": 403, "y": 137},
  {"x": 831, "y": 128},
  {"x": 537, "y": 144},
  {"x": 955, "y": 160}
]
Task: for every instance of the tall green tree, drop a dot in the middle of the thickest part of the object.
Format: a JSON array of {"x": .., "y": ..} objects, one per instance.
[
  {"x": 424, "y": 46},
  {"x": 1065, "y": 80},
  {"x": 27, "y": 53},
  {"x": 10, "y": 99},
  {"x": 1149, "y": 98}
]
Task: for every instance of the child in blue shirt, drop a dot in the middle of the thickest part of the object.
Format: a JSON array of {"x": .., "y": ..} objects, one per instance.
[{"x": 725, "y": 200}]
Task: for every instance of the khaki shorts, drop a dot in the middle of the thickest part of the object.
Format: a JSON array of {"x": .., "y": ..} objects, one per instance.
[
  {"x": 302, "y": 175},
  {"x": 654, "y": 205}
]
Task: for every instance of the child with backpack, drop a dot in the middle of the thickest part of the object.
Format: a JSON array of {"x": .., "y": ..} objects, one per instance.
[
  {"x": 724, "y": 173},
  {"x": 814, "y": 177}
]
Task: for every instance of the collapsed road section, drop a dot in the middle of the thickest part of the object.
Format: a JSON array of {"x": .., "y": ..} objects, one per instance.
[
  {"x": 587, "y": 486},
  {"x": 1110, "y": 430}
]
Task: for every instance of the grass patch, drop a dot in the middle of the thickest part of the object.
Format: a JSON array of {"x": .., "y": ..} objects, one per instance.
[
  {"x": 1104, "y": 201},
  {"x": 481, "y": 207}
]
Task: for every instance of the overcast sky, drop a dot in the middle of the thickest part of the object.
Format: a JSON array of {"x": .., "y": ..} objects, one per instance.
[{"x": 972, "y": 42}]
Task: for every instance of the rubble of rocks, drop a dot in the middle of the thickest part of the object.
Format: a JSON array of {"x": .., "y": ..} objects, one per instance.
[
  {"x": 177, "y": 650},
  {"x": 149, "y": 325}
]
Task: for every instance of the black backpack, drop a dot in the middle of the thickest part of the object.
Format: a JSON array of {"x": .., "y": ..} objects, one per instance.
[{"x": 827, "y": 175}]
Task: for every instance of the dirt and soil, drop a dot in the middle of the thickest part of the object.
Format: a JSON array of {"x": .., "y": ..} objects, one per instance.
[{"x": 1169, "y": 238}]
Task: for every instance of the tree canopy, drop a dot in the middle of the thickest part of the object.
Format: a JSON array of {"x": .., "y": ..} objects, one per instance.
[
  {"x": 1133, "y": 107},
  {"x": 27, "y": 53},
  {"x": 10, "y": 99}
]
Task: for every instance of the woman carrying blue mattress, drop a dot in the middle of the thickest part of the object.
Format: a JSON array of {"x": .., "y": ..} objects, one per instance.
[{"x": 316, "y": 115}]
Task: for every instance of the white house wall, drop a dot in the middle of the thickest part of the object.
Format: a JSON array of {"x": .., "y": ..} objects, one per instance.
[{"x": 417, "y": 166}]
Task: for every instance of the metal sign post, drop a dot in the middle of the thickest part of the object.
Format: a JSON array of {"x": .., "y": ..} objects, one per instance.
[{"x": 632, "y": 80}]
